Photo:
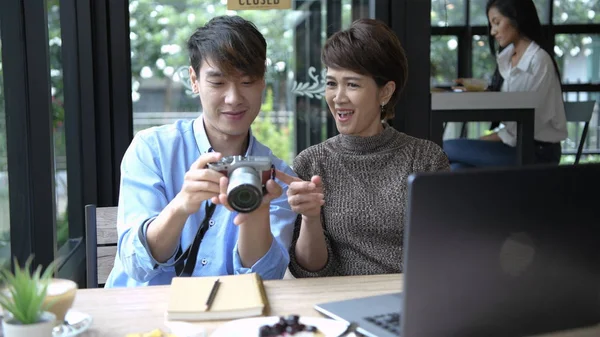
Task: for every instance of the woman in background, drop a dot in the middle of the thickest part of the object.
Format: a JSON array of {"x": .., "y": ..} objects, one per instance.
[
  {"x": 524, "y": 63},
  {"x": 352, "y": 188}
]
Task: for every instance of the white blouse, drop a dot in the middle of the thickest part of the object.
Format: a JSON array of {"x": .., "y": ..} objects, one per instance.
[{"x": 534, "y": 72}]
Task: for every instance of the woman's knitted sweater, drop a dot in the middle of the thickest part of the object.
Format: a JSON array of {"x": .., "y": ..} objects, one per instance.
[{"x": 365, "y": 188}]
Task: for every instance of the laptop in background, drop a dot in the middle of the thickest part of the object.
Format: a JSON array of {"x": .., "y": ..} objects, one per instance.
[{"x": 495, "y": 252}]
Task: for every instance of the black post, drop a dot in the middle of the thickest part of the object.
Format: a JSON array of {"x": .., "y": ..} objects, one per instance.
[
  {"x": 410, "y": 19},
  {"x": 79, "y": 85},
  {"x": 120, "y": 69},
  {"x": 334, "y": 24},
  {"x": 24, "y": 29},
  {"x": 308, "y": 109}
]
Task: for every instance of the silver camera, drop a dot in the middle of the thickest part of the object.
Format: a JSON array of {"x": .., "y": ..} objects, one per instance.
[{"x": 248, "y": 177}]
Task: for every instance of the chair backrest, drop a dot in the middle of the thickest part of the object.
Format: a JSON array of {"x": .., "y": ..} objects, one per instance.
[
  {"x": 101, "y": 243},
  {"x": 580, "y": 112}
]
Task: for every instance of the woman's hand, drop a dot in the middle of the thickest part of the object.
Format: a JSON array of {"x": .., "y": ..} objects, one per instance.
[
  {"x": 305, "y": 197},
  {"x": 493, "y": 137}
]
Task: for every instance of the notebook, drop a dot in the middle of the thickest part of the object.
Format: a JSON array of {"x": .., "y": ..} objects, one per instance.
[{"x": 238, "y": 296}]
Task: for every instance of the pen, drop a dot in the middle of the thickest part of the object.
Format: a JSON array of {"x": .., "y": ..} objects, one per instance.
[{"x": 213, "y": 294}]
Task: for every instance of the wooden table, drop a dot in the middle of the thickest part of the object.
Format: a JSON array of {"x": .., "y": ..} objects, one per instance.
[
  {"x": 117, "y": 312},
  {"x": 487, "y": 106}
]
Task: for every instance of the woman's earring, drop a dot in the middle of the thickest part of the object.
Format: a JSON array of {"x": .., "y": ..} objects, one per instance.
[{"x": 382, "y": 110}]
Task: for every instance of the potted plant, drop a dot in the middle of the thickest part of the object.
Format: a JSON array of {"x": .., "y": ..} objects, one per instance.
[{"x": 23, "y": 301}]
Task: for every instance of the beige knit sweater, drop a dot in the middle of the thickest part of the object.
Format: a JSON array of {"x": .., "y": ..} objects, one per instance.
[{"x": 365, "y": 187}]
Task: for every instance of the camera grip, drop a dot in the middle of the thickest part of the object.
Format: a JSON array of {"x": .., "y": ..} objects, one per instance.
[
  {"x": 269, "y": 174},
  {"x": 266, "y": 175}
]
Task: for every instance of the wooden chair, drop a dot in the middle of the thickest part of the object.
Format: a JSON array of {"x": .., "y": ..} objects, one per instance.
[
  {"x": 101, "y": 243},
  {"x": 580, "y": 112}
]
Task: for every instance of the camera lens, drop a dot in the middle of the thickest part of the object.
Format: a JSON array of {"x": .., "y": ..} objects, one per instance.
[
  {"x": 244, "y": 192},
  {"x": 244, "y": 198}
]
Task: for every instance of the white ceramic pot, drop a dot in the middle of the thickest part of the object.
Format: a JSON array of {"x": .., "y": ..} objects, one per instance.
[{"x": 13, "y": 328}]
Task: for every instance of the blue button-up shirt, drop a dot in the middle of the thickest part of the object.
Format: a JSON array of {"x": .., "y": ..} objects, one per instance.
[{"x": 152, "y": 174}]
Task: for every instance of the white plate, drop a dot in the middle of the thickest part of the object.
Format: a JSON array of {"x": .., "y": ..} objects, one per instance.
[
  {"x": 251, "y": 326},
  {"x": 184, "y": 329},
  {"x": 76, "y": 322}
]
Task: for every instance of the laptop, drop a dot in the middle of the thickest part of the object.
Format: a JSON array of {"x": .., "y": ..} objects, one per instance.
[{"x": 492, "y": 252}]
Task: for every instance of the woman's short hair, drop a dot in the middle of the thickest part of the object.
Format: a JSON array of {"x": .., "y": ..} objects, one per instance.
[{"x": 371, "y": 48}]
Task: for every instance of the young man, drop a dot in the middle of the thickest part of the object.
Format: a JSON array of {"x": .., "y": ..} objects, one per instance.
[{"x": 167, "y": 191}]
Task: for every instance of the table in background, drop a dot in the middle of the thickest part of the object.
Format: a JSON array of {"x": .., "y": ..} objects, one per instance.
[{"x": 486, "y": 107}]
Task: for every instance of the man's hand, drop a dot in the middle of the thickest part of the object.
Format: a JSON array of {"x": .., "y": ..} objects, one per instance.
[
  {"x": 273, "y": 191},
  {"x": 200, "y": 184},
  {"x": 305, "y": 197}
]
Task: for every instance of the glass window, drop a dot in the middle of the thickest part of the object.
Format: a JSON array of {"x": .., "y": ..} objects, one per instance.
[
  {"x": 578, "y": 57},
  {"x": 444, "y": 60},
  {"x": 478, "y": 16},
  {"x": 5, "y": 252},
  {"x": 576, "y": 12},
  {"x": 58, "y": 118},
  {"x": 346, "y": 13},
  {"x": 446, "y": 13},
  {"x": 159, "y": 60},
  {"x": 543, "y": 9},
  {"x": 575, "y": 130},
  {"x": 359, "y": 9},
  {"x": 484, "y": 63},
  {"x": 293, "y": 114}
]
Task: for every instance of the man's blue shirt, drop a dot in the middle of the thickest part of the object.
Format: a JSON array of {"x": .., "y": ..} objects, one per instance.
[{"x": 152, "y": 174}]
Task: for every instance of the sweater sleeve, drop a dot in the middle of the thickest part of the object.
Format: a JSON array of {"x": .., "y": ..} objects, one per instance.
[
  {"x": 432, "y": 158},
  {"x": 305, "y": 169}
]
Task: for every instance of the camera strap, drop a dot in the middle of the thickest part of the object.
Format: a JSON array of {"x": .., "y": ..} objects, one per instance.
[{"x": 186, "y": 261}]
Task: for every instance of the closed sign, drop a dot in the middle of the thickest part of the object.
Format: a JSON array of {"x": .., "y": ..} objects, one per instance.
[{"x": 239, "y": 5}]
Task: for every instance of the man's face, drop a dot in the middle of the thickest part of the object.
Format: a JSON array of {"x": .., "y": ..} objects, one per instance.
[{"x": 230, "y": 104}]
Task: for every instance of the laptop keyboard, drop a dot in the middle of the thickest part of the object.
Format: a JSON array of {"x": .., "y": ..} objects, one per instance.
[{"x": 389, "y": 322}]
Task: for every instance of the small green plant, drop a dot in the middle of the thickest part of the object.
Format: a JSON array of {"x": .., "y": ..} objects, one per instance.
[{"x": 25, "y": 292}]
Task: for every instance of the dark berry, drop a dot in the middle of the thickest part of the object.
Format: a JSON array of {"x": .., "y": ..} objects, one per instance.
[
  {"x": 278, "y": 328},
  {"x": 292, "y": 319},
  {"x": 292, "y": 329},
  {"x": 265, "y": 331},
  {"x": 311, "y": 328}
]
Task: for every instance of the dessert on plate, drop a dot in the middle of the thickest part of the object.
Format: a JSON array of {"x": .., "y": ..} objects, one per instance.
[{"x": 288, "y": 327}]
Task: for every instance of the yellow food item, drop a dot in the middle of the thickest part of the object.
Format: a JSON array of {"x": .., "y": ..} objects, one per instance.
[{"x": 153, "y": 333}]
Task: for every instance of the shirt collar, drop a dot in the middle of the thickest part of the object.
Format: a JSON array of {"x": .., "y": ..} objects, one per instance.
[
  {"x": 504, "y": 58},
  {"x": 203, "y": 142},
  {"x": 528, "y": 56}
]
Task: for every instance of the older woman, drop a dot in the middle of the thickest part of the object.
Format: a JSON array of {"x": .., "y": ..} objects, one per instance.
[{"x": 352, "y": 188}]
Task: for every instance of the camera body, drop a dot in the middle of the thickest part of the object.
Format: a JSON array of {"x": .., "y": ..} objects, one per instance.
[{"x": 248, "y": 177}]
